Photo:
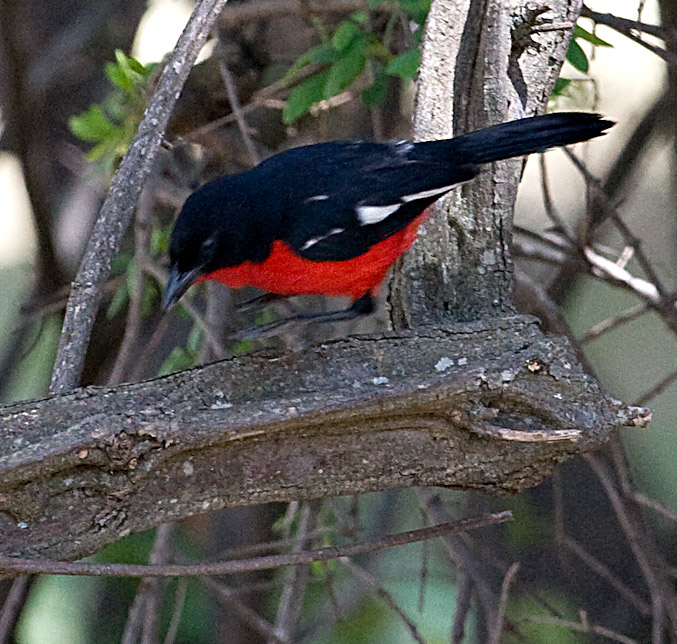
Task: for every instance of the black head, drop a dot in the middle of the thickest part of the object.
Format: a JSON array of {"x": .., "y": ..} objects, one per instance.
[
  {"x": 205, "y": 235},
  {"x": 216, "y": 228}
]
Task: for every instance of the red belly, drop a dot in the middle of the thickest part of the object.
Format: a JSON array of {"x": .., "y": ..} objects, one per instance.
[{"x": 286, "y": 273}]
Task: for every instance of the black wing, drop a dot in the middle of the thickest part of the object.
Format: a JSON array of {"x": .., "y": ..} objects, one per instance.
[{"x": 342, "y": 198}]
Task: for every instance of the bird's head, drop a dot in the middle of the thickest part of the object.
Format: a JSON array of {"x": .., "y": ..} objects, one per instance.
[
  {"x": 201, "y": 241},
  {"x": 215, "y": 229}
]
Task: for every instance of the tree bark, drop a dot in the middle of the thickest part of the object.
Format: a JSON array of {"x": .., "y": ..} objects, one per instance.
[{"x": 492, "y": 405}]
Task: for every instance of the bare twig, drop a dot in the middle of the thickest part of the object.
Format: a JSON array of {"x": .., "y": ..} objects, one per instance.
[
  {"x": 51, "y": 567},
  {"x": 625, "y": 25},
  {"x": 134, "y": 324},
  {"x": 495, "y": 637},
  {"x": 582, "y": 627},
  {"x": 123, "y": 195},
  {"x": 596, "y": 330},
  {"x": 608, "y": 576},
  {"x": 548, "y": 203},
  {"x": 658, "y": 388},
  {"x": 291, "y": 598},
  {"x": 231, "y": 91},
  {"x": 161, "y": 276},
  {"x": 12, "y": 607},
  {"x": 179, "y": 603},
  {"x": 372, "y": 582},
  {"x": 143, "y": 613},
  {"x": 462, "y": 608},
  {"x": 660, "y": 602}
]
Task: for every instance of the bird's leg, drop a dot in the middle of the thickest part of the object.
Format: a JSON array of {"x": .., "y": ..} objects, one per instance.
[
  {"x": 261, "y": 300},
  {"x": 359, "y": 308}
]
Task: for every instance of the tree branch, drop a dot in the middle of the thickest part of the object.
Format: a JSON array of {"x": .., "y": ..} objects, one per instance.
[{"x": 480, "y": 406}]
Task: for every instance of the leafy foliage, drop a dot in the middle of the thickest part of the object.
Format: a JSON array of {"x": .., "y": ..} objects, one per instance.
[
  {"x": 340, "y": 59},
  {"x": 577, "y": 57},
  {"x": 112, "y": 125}
]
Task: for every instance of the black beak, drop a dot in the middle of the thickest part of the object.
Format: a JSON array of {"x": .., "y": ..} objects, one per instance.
[{"x": 177, "y": 285}]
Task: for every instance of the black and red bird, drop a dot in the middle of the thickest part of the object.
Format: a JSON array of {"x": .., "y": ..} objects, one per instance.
[{"x": 331, "y": 218}]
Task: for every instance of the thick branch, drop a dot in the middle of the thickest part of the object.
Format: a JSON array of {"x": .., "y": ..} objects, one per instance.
[{"x": 491, "y": 406}]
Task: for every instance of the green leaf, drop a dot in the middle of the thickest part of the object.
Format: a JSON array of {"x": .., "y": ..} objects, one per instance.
[
  {"x": 344, "y": 35},
  {"x": 560, "y": 85},
  {"x": 139, "y": 68},
  {"x": 304, "y": 96},
  {"x": 92, "y": 125},
  {"x": 377, "y": 92},
  {"x": 117, "y": 77},
  {"x": 405, "y": 65},
  {"x": 320, "y": 54},
  {"x": 583, "y": 34},
  {"x": 194, "y": 341},
  {"x": 360, "y": 17},
  {"x": 159, "y": 240},
  {"x": 576, "y": 56},
  {"x": 344, "y": 71}
]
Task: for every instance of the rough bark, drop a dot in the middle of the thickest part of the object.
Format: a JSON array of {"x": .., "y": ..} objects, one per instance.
[
  {"x": 491, "y": 406},
  {"x": 484, "y": 62}
]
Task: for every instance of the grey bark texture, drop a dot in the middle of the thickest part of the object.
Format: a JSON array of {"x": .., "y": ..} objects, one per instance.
[
  {"x": 485, "y": 403},
  {"x": 484, "y": 62},
  {"x": 490, "y": 405}
]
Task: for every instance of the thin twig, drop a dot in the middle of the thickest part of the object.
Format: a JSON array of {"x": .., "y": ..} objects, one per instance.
[
  {"x": 12, "y": 607},
  {"x": 177, "y": 612},
  {"x": 461, "y": 555},
  {"x": 372, "y": 582},
  {"x": 153, "y": 588},
  {"x": 464, "y": 590},
  {"x": 658, "y": 388},
  {"x": 250, "y": 617},
  {"x": 596, "y": 330},
  {"x": 549, "y": 204},
  {"x": 581, "y": 628},
  {"x": 624, "y": 25},
  {"x": 495, "y": 637},
  {"x": 52, "y": 567},
  {"x": 634, "y": 537},
  {"x": 291, "y": 598},
  {"x": 606, "y": 574},
  {"x": 143, "y": 613},
  {"x": 134, "y": 323},
  {"x": 161, "y": 276},
  {"x": 231, "y": 91}
]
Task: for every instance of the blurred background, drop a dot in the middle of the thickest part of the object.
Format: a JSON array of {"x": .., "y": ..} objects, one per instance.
[{"x": 69, "y": 105}]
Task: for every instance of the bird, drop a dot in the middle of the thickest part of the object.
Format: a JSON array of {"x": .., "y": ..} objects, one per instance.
[{"x": 331, "y": 218}]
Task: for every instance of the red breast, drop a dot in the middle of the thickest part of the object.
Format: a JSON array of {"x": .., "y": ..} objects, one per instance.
[{"x": 287, "y": 273}]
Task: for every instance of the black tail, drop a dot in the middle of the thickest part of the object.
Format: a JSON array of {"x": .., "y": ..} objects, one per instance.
[{"x": 518, "y": 138}]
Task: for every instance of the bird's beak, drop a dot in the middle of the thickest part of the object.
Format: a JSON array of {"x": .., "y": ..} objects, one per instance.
[{"x": 177, "y": 285}]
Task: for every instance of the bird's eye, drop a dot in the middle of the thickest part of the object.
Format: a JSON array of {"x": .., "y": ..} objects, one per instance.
[{"x": 208, "y": 243}]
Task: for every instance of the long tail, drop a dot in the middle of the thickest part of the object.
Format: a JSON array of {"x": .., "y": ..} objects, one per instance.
[{"x": 518, "y": 138}]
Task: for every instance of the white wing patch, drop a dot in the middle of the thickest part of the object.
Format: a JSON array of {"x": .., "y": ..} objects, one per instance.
[
  {"x": 367, "y": 215},
  {"x": 317, "y": 198},
  {"x": 428, "y": 193},
  {"x": 314, "y": 240}
]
